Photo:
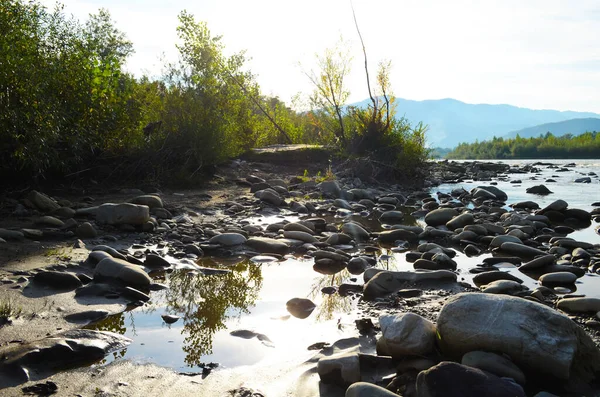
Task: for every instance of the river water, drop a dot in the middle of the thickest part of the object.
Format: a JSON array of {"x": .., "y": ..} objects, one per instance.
[{"x": 253, "y": 296}]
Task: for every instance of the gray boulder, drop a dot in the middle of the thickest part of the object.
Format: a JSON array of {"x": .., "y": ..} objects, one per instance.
[
  {"x": 534, "y": 336},
  {"x": 406, "y": 334},
  {"x": 125, "y": 272}
]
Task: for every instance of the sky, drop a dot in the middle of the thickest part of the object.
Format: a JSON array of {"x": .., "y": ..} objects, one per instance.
[{"x": 540, "y": 54}]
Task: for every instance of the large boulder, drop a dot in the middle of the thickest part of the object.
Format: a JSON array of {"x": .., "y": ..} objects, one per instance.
[
  {"x": 123, "y": 271},
  {"x": 406, "y": 334},
  {"x": 534, "y": 336},
  {"x": 122, "y": 214},
  {"x": 448, "y": 379}
]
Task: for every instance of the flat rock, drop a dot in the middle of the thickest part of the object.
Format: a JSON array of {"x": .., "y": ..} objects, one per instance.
[
  {"x": 267, "y": 245},
  {"x": 122, "y": 214},
  {"x": 521, "y": 250},
  {"x": 579, "y": 305},
  {"x": 58, "y": 280}
]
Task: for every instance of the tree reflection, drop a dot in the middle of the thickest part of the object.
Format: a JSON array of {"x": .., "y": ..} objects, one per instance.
[
  {"x": 206, "y": 302},
  {"x": 114, "y": 323}
]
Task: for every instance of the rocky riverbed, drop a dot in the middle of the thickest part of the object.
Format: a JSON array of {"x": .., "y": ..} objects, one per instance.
[{"x": 482, "y": 298}]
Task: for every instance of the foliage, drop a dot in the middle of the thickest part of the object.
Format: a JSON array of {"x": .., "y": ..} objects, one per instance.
[{"x": 546, "y": 146}]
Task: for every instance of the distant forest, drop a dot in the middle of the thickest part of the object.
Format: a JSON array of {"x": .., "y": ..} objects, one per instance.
[{"x": 548, "y": 146}]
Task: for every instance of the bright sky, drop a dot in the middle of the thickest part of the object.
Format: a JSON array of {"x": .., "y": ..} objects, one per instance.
[{"x": 541, "y": 54}]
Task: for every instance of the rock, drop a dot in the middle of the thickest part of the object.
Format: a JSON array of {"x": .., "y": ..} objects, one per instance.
[
  {"x": 42, "y": 202},
  {"x": 156, "y": 262},
  {"x": 384, "y": 282},
  {"x": 330, "y": 189},
  {"x": 539, "y": 189},
  {"x": 391, "y": 236},
  {"x": 149, "y": 200},
  {"x": 579, "y": 305},
  {"x": 59, "y": 280},
  {"x": 484, "y": 194},
  {"x": 495, "y": 364},
  {"x": 499, "y": 240},
  {"x": 521, "y": 250},
  {"x": 338, "y": 238},
  {"x": 537, "y": 263},
  {"x": 500, "y": 195},
  {"x": 88, "y": 316},
  {"x": 448, "y": 379},
  {"x": 298, "y": 227},
  {"x": 134, "y": 294},
  {"x": 494, "y": 275},
  {"x": 340, "y": 369},
  {"x": 440, "y": 216},
  {"x": 586, "y": 179},
  {"x": 328, "y": 266},
  {"x": 557, "y": 278},
  {"x": 558, "y": 206},
  {"x": 122, "y": 214},
  {"x": 300, "y": 307},
  {"x": 170, "y": 318},
  {"x": 407, "y": 334},
  {"x": 298, "y": 235},
  {"x": 228, "y": 239},
  {"x": 122, "y": 271},
  {"x": 357, "y": 265},
  {"x": 391, "y": 217},
  {"x": 44, "y": 357},
  {"x": 461, "y": 220},
  {"x": 109, "y": 250},
  {"x": 364, "y": 389},
  {"x": 534, "y": 336},
  {"x": 356, "y": 231},
  {"x": 507, "y": 287},
  {"x": 33, "y": 234},
  {"x": 267, "y": 245},
  {"x": 96, "y": 256},
  {"x": 11, "y": 234},
  {"x": 340, "y": 203},
  {"x": 270, "y": 196},
  {"x": 49, "y": 221},
  {"x": 86, "y": 230}
]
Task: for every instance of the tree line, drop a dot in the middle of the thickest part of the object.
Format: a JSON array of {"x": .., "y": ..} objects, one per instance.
[
  {"x": 67, "y": 105},
  {"x": 548, "y": 146}
]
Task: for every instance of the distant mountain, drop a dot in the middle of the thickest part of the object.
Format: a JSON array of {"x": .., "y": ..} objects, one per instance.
[
  {"x": 573, "y": 126},
  {"x": 452, "y": 122}
]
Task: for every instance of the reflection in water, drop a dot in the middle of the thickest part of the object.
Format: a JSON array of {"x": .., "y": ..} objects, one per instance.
[
  {"x": 207, "y": 302},
  {"x": 330, "y": 304},
  {"x": 116, "y": 324}
]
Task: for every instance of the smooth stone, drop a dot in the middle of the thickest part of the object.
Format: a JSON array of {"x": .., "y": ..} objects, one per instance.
[
  {"x": 440, "y": 216},
  {"x": 449, "y": 379},
  {"x": 521, "y": 250},
  {"x": 298, "y": 227},
  {"x": 330, "y": 188},
  {"x": 495, "y": 364},
  {"x": 557, "y": 278},
  {"x": 558, "y": 206},
  {"x": 122, "y": 214},
  {"x": 339, "y": 239},
  {"x": 507, "y": 287},
  {"x": 494, "y": 275},
  {"x": 114, "y": 268},
  {"x": 579, "y": 305},
  {"x": 500, "y": 194},
  {"x": 96, "y": 256},
  {"x": 267, "y": 245},
  {"x": 150, "y": 200},
  {"x": 300, "y": 307},
  {"x": 364, "y": 389},
  {"x": 86, "y": 230},
  {"x": 299, "y": 235},
  {"x": 407, "y": 334},
  {"x": 459, "y": 221},
  {"x": 391, "y": 236},
  {"x": 42, "y": 202},
  {"x": 533, "y": 335},
  {"x": 270, "y": 196},
  {"x": 170, "y": 318},
  {"x": 357, "y": 265},
  {"x": 356, "y": 231},
  {"x": 134, "y": 294},
  {"x": 328, "y": 266},
  {"x": 499, "y": 240},
  {"x": 11, "y": 234},
  {"x": 340, "y": 369},
  {"x": 59, "y": 280},
  {"x": 383, "y": 282},
  {"x": 537, "y": 263},
  {"x": 88, "y": 316},
  {"x": 539, "y": 189},
  {"x": 391, "y": 217},
  {"x": 228, "y": 239},
  {"x": 49, "y": 221},
  {"x": 154, "y": 261}
]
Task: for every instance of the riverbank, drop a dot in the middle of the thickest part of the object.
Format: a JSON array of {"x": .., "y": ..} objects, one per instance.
[{"x": 381, "y": 249}]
